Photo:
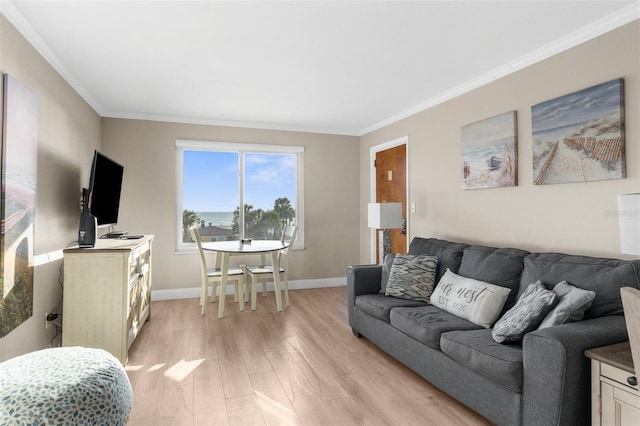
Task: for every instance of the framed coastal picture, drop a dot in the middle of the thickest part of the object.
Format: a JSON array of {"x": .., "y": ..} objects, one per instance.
[
  {"x": 580, "y": 137},
  {"x": 17, "y": 211},
  {"x": 490, "y": 152}
]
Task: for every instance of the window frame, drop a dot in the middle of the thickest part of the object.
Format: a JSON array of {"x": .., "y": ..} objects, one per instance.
[{"x": 241, "y": 149}]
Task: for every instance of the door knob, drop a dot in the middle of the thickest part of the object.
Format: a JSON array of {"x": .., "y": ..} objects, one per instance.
[{"x": 403, "y": 230}]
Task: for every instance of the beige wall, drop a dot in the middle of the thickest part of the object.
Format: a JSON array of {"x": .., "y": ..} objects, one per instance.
[
  {"x": 146, "y": 149},
  {"x": 575, "y": 217},
  {"x": 68, "y": 132}
]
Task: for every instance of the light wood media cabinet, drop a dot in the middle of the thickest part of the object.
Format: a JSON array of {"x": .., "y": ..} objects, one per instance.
[{"x": 107, "y": 294}]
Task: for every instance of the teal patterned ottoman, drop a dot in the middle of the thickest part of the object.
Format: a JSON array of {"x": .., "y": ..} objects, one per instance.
[{"x": 64, "y": 386}]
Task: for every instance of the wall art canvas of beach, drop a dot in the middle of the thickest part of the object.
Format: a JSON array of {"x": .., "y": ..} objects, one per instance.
[
  {"x": 490, "y": 152},
  {"x": 580, "y": 137},
  {"x": 17, "y": 211}
]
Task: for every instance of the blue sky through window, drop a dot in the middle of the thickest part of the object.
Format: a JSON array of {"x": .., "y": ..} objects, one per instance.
[{"x": 211, "y": 182}]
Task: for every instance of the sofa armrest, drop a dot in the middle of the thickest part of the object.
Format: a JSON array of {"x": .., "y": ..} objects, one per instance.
[
  {"x": 556, "y": 388},
  {"x": 362, "y": 279}
]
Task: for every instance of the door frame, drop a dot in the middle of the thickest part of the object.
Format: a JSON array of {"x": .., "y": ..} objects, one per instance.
[{"x": 404, "y": 140}]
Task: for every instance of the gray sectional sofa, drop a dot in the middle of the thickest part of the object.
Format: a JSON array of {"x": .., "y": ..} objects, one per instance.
[{"x": 542, "y": 380}]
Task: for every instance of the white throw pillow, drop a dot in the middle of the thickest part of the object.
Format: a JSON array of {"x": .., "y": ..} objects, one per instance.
[
  {"x": 473, "y": 300},
  {"x": 572, "y": 304}
]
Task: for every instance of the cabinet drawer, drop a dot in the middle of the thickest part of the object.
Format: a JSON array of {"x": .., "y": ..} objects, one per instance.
[
  {"x": 619, "y": 376},
  {"x": 139, "y": 262},
  {"x": 619, "y": 407}
]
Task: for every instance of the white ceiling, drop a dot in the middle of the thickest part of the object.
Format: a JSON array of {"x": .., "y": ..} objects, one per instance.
[{"x": 345, "y": 67}]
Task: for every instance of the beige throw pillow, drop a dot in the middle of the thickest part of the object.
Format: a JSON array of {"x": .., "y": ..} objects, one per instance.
[{"x": 473, "y": 300}]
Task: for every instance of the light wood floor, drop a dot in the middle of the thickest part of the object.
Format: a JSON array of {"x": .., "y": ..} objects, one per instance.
[{"x": 300, "y": 366}]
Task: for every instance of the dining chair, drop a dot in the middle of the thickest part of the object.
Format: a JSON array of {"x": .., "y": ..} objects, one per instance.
[
  {"x": 264, "y": 272},
  {"x": 264, "y": 278},
  {"x": 631, "y": 306},
  {"x": 214, "y": 275}
]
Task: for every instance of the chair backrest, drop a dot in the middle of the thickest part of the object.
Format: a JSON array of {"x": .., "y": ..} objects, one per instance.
[
  {"x": 288, "y": 236},
  {"x": 195, "y": 236},
  {"x": 631, "y": 306},
  {"x": 289, "y": 233}
]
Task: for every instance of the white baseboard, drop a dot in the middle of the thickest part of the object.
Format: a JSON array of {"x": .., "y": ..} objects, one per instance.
[{"x": 194, "y": 292}]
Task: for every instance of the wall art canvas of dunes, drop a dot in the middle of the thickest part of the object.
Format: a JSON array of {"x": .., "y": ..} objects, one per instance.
[
  {"x": 18, "y": 203},
  {"x": 490, "y": 152},
  {"x": 579, "y": 137}
]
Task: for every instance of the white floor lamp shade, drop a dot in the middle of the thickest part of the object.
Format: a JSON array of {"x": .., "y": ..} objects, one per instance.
[
  {"x": 384, "y": 216},
  {"x": 629, "y": 216}
]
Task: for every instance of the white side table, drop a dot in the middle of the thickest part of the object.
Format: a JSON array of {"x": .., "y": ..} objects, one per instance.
[{"x": 615, "y": 396}]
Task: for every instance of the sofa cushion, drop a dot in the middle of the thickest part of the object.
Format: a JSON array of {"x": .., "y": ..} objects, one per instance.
[
  {"x": 427, "y": 323},
  {"x": 604, "y": 276},
  {"x": 449, "y": 254},
  {"x": 477, "y": 351},
  {"x": 379, "y": 305},
  {"x": 528, "y": 312},
  {"x": 499, "y": 266},
  {"x": 473, "y": 300},
  {"x": 412, "y": 277},
  {"x": 572, "y": 303}
]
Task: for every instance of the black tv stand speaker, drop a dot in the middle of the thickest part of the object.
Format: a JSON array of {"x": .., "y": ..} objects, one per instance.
[{"x": 87, "y": 231}]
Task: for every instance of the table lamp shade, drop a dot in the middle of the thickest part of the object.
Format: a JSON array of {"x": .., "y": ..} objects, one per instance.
[
  {"x": 385, "y": 215},
  {"x": 629, "y": 216}
]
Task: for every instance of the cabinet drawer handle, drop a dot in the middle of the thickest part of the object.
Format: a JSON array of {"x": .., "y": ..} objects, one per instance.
[{"x": 632, "y": 380}]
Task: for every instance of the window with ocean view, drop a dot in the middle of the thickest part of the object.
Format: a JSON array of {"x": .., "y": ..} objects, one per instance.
[{"x": 218, "y": 178}]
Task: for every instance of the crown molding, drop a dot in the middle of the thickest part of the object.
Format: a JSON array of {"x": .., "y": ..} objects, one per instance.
[
  {"x": 13, "y": 15},
  {"x": 230, "y": 123},
  {"x": 602, "y": 26}
]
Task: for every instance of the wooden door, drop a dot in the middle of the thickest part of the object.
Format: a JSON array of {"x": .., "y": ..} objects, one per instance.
[{"x": 391, "y": 186}]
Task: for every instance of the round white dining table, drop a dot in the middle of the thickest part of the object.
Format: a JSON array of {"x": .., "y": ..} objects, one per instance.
[{"x": 237, "y": 247}]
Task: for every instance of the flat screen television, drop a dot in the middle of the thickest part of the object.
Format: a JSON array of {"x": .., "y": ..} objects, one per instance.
[{"x": 104, "y": 189}]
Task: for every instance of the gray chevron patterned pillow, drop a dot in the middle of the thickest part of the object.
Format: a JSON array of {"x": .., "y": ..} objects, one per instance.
[
  {"x": 530, "y": 309},
  {"x": 412, "y": 277}
]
